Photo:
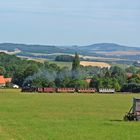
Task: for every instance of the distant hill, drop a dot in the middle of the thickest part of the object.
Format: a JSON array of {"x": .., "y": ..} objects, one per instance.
[
  {"x": 30, "y": 48},
  {"x": 109, "y": 50},
  {"x": 108, "y": 47},
  {"x": 60, "y": 49}
]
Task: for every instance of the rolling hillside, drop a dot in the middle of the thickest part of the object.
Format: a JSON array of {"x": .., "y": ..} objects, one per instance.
[
  {"x": 105, "y": 50},
  {"x": 108, "y": 47}
]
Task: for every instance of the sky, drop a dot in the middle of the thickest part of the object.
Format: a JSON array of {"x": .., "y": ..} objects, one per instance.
[{"x": 70, "y": 22}]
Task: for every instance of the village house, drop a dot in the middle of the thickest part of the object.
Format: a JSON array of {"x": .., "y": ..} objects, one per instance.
[{"x": 3, "y": 81}]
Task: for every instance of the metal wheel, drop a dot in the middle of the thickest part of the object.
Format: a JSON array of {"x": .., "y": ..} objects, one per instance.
[{"x": 125, "y": 118}]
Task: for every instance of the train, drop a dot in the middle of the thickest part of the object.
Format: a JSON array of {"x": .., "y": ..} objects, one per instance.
[{"x": 65, "y": 90}]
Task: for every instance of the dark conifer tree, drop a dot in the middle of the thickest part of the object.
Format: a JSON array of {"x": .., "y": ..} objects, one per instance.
[{"x": 76, "y": 66}]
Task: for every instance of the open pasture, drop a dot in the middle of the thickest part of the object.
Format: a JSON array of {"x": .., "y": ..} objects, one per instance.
[{"x": 29, "y": 116}]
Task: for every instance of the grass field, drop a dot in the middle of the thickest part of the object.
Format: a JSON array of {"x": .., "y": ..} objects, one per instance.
[
  {"x": 95, "y": 64},
  {"x": 65, "y": 116},
  {"x": 62, "y": 64}
]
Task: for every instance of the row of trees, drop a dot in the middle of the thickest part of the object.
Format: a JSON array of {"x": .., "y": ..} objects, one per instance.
[{"x": 31, "y": 73}]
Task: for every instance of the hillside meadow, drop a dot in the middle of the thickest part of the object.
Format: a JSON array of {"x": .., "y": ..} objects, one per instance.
[{"x": 29, "y": 116}]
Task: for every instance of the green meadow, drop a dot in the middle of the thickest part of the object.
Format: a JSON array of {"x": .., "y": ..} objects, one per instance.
[{"x": 30, "y": 116}]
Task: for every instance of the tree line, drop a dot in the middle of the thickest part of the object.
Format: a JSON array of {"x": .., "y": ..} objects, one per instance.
[{"x": 30, "y": 73}]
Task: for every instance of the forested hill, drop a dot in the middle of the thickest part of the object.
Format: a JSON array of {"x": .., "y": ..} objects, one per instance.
[
  {"x": 109, "y": 47},
  {"x": 105, "y": 50},
  {"x": 62, "y": 49},
  {"x": 29, "y": 48}
]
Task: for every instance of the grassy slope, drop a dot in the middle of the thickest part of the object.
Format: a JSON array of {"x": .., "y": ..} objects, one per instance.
[
  {"x": 62, "y": 64},
  {"x": 59, "y": 63},
  {"x": 65, "y": 117}
]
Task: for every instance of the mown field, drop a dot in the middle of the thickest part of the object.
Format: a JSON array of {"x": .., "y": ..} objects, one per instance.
[{"x": 65, "y": 116}]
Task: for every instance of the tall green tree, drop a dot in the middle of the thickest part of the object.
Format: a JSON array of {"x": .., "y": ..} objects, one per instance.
[
  {"x": 76, "y": 66},
  {"x": 31, "y": 70},
  {"x": 76, "y": 62}
]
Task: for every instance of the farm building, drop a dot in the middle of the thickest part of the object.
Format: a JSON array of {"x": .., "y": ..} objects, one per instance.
[{"x": 3, "y": 81}]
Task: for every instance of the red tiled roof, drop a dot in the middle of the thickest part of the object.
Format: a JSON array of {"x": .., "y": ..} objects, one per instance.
[
  {"x": 8, "y": 80},
  {"x": 5, "y": 80},
  {"x": 2, "y": 80}
]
